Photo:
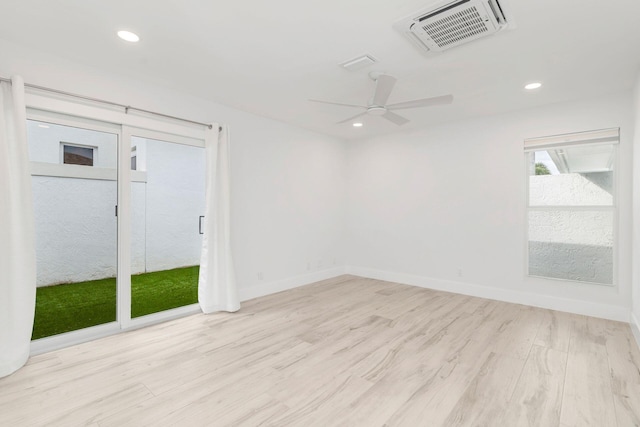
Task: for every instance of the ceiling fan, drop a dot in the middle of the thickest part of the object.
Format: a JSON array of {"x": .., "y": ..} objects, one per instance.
[{"x": 378, "y": 105}]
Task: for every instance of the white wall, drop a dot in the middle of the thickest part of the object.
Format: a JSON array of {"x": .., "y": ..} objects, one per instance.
[
  {"x": 445, "y": 207},
  {"x": 287, "y": 184},
  {"x": 635, "y": 318}
]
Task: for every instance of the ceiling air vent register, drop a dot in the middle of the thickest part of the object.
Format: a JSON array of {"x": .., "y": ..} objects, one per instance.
[{"x": 453, "y": 23}]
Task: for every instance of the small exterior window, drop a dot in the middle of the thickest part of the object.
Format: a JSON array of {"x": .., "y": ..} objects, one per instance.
[
  {"x": 571, "y": 206},
  {"x": 77, "y": 155}
]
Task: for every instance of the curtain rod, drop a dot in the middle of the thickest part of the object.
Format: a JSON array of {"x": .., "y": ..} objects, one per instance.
[{"x": 115, "y": 104}]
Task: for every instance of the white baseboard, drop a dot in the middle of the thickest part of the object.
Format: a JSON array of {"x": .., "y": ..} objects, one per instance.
[
  {"x": 635, "y": 328},
  {"x": 250, "y": 292},
  {"x": 586, "y": 308}
]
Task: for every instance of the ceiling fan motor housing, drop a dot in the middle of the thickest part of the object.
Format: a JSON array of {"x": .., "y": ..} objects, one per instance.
[{"x": 376, "y": 110}]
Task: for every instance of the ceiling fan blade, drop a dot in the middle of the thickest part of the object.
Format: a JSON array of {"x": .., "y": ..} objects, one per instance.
[
  {"x": 425, "y": 102},
  {"x": 337, "y": 103},
  {"x": 351, "y": 118},
  {"x": 395, "y": 118},
  {"x": 384, "y": 86}
]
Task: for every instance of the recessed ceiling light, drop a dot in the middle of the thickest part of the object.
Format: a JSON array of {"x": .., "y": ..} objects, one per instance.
[
  {"x": 43, "y": 126},
  {"x": 357, "y": 125},
  {"x": 128, "y": 36},
  {"x": 534, "y": 85}
]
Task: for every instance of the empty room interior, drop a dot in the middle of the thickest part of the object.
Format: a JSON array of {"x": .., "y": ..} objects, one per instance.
[{"x": 289, "y": 213}]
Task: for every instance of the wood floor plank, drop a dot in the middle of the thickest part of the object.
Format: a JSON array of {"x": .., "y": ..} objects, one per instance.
[
  {"x": 588, "y": 395},
  {"x": 453, "y": 356},
  {"x": 488, "y": 394},
  {"x": 388, "y": 394},
  {"x": 624, "y": 362},
  {"x": 517, "y": 332},
  {"x": 319, "y": 405},
  {"x": 347, "y": 351},
  {"x": 537, "y": 398},
  {"x": 555, "y": 330},
  {"x": 259, "y": 410}
]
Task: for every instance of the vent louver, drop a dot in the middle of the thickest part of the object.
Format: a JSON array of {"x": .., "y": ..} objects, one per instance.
[{"x": 451, "y": 24}]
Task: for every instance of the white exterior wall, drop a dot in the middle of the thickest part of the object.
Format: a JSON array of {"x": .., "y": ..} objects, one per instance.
[
  {"x": 75, "y": 217},
  {"x": 75, "y": 229},
  {"x": 175, "y": 199},
  {"x": 570, "y": 189},
  {"x": 446, "y": 207},
  {"x": 138, "y": 227},
  {"x": 567, "y": 189},
  {"x": 569, "y": 244}
]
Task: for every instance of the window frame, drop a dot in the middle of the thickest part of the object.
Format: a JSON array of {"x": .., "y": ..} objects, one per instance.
[
  {"x": 94, "y": 149},
  {"x": 571, "y": 141}
]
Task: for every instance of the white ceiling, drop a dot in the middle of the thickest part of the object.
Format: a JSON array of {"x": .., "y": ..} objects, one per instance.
[{"x": 269, "y": 57}]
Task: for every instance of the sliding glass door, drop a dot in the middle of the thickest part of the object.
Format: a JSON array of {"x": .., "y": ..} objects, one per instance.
[
  {"x": 74, "y": 181},
  {"x": 118, "y": 214},
  {"x": 167, "y": 212}
]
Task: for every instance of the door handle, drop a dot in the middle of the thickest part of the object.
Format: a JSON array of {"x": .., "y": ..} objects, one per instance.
[{"x": 200, "y": 224}]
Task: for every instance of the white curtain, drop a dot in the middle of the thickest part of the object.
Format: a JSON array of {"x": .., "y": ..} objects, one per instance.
[
  {"x": 17, "y": 234},
  {"x": 217, "y": 285}
]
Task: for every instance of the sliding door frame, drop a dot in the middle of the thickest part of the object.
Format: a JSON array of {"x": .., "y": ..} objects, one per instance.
[
  {"x": 124, "y": 300},
  {"x": 125, "y": 126},
  {"x": 66, "y": 339}
]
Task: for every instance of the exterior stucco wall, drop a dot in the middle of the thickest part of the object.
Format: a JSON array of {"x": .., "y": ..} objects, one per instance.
[
  {"x": 174, "y": 201},
  {"x": 572, "y": 245},
  {"x": 76, "y": 226},
  {"x": 587, "y": 263},
  {"x": 569, "y": 244},
  {"x": 571, "y": 189}
]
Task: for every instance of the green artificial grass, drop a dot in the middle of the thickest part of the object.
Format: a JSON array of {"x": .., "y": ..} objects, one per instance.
[{"x": 72, "y": 306}]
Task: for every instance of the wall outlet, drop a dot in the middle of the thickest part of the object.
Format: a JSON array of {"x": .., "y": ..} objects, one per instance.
[
  {"x": 308, "y": 265},
  {"x": 319, "y": 263},
  {"x": 260, "y": 277},
  {"x": 334, "y": 261},
  {"x": 459, "y": 271}
]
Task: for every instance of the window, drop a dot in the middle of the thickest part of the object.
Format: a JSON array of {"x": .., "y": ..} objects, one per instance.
[
  {"x": 571, "y": 206},
  {"x": 77, "y": 154}
]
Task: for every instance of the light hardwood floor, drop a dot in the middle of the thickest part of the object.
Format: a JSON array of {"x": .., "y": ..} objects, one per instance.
[{"x": 344, "y": 352}]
